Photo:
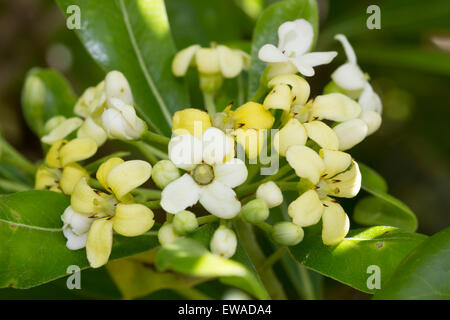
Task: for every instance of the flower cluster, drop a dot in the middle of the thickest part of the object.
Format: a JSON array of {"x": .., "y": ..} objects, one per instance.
[{"x": 210, "y": 170}]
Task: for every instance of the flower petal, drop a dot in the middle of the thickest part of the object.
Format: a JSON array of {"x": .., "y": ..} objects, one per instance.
[
  {"x": 216, "y": 145},
  {"x": 270, "y": 53},
  {"x": 117, "y": 86},
  {"x": 306, "y": 210},
  {"x": 322, "y": 134},
  {"x": 251, "y": 140},
  {"x": 369, "y": 100},
  {"x": 350, "y": 133},
  {"x": 220, "y": 200},
  {"x": 76, "y": 150},
  {"x": 349, "y": 77},
  {"x": 207, "y": 60},
  {"x": 127, "y": 176},
  {"x": 230, "y": 61},
  {"x": 372, "y": 119},
  {"x": 280, "y": 97},
  {"x": 132, "y": 220},
  {"x": 83, "y": 196},
  {"x": 232, "y": 173},
  {"x": 252, "y": 115},
  {"x": 335, "y": 162},
  {"x": 293, "y": 133},
  {"x": 335, "y": 223},
  {"x": 105, "y": 168},
  {"x": 70, "y": 176},
  {"x": 183, "y": 59},
  {"x": 90, "y": 129},
  {"x": 74, "y": 241},
  {"x": 180, "y": 194},
  {"x": 306, "y": 163},
  {"x": 334, "y": 106},
  {"x": 78, "y": 223},
  {"x": 190, "y": 121},
  {"x": 99, "y": 242},
  {"x": 306, "y": 62},
  {"x": 349, "y": 52},
  {"x": 346, "y": 184},
  {"x": 295, "y": 36},
  {"x": 62, "y": 130},
  {"x": 299, "y": 86},
  {"x": 185, "y": 151}
]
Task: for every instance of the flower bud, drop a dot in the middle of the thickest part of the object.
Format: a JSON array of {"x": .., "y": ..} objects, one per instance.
[
  {"x": 121, "y": 122},
  {"x": 350, "y": 133},
  {"x": 287, "y": 233},
  {"x": 91, "y": 102},
  {"x": 167, "y": 234},
  {"x": 117, "y": 86},
  {"x": 270, "y": 194},
  {"x": 255, "y": 211},
  {"x": 192, "y": 121},
  {"x": 223, "y": 242},
  {"x": 184, "y": 222},
  {"x": 33, "y": 102},
  {"x": 164, "y": 172},
  {"x": 77, "y": 222}
]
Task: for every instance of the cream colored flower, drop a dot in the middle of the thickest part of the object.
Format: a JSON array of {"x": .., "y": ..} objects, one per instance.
[
  {"x": 223, "y": 242},
  {"x": 115, "y": 211},
  {"x": 331, "y": 174},
  {"x": 270, "y": 193},
  {"x": 295, "y": 39},
  {"x": 211, "y": 177}
]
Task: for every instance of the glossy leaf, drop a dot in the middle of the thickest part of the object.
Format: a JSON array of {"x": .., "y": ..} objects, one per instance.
[
  {"x": 46, "y": 94},
  {"x": 348, "y": 261},
  {"x": 134, "y": 38},
  {"x": 267, "y": 27},
  {"x": 33, "y": 246},
  {"x": 385, "y": 211},
  {"x": 190, "y": 256},
  {"x": 382, "y": 208},
  {"x": 424, "y": 274}
]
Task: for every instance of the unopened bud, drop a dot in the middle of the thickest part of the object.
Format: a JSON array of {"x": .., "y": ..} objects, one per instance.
[
  {"x": 164, "y": 172},
  {"x": 33, "y": 103},
  {"x": 287, "y": 233},
  {"x": 255, "y": 211},
  {"x": 223, "y": 242},
  {"x": 184, "y": 222},
  {"x": 270, "y": 193},
  {"x": 210, "y": 82},
  {"x": 167, "y": 234}
]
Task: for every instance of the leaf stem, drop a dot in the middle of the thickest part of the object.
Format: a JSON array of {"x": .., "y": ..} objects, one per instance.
[
  {"x": 260, "y": 92},
  {"x": 153, "y": 204},
  {"x": 273, "y": 258},
  {"x": 250, "y": 188}
]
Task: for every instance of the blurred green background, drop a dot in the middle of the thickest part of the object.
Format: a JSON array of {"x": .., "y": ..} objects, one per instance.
[{"x": 408, "y": 60}]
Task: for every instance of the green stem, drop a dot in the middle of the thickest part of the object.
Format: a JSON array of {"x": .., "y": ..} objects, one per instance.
[
  {"x": 264, "y": 226},
  {"x": 192, "y": 293},
  {"x": 148, "y": 194},
  {"x": 210, "y": 106},
  {"x": 260, "y": 92},
  {"x": 154, "y": 137},
  {"x": 248, "y": 239},
  {"x": 273, "y": 258},
  {"x": 93, "y": 166},
  {"x": 12, "y": 186},
  {"x": 290, "y": 177},
  {"x": 206, "y": 219},
  {"x": 306, "y": 283},
  {"x": 287, "y": 186},
  {"x": 240, "y": 90},
  {"x": 153, "y": 204},
  {"x": 12, "y": 156},
  {"x": 250, "y": 188},
  {"x": 145, "y": 150}
]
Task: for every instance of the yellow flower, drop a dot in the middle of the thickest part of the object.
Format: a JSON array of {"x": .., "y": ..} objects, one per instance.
[
  {"x": 330, "y": 173},
  {"x": 114, "y": 211},
  {"x": 252, "y": 115},
  {"x": 47, "y": 179},
  {"x": 63, "y": 152},
  {"x": 190, "y": 121},
  {"x": 288, "y": 90}
]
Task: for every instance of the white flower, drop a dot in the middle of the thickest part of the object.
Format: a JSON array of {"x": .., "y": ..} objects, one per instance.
[
  {"x": 223, "y": 242},
  {"x": 294, "y": 41},
  {"x": 211, "y": 176},
  {"x": 75, "y": 229},
  {"x": 120, "y": 121},
  {"x": 352, "y": 79}
]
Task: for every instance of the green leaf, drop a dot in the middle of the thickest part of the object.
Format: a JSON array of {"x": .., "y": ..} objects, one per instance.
[
  {"x": 134, "y": 38},
  {"x": 267, "y": 27},
  {"x": 424, "y": 274},
  {"x": 33, "y": 246},
  {"x": 371, "y": 179},
  {"x": 382, "y": 208},
  {"x": 190, "y": 256},
  {"x": 385, "y": 211},
  {"x": 45, "y": 94},
  {"x": 348, "y": 261}
]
